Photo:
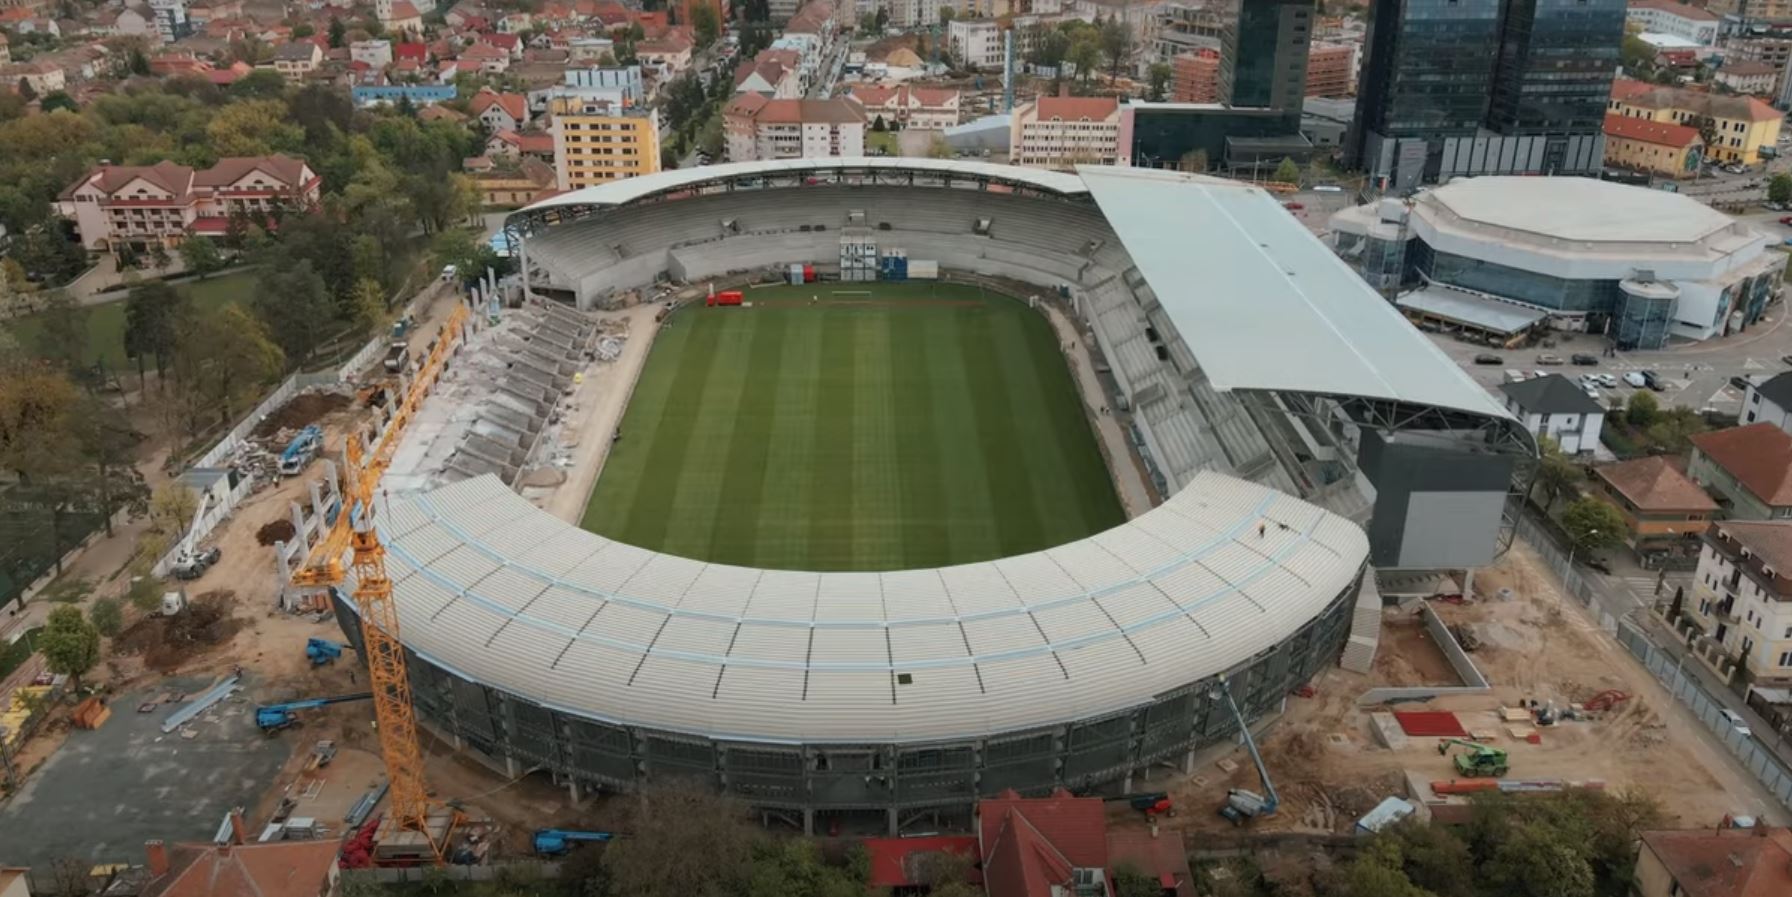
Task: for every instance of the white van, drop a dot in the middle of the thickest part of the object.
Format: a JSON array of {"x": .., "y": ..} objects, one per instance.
[{"x": 1514, "y": 375}]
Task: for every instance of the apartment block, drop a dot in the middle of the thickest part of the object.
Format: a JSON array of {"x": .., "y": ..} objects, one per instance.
[
  {"x": 1742, "y": 596},
  {"x": 1195, "y": 77},
  {"x": 596, "y": 142},
  {"x": 758, "y": 128},
  {"x": 1064, "y": 131},
  {"x": 1331, "y": 70}
]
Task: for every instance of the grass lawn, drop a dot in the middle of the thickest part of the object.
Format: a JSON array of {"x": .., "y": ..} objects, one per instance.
[
  {"x": 890, "y": 426},
  {"x": 884, "y": 140},
  {"x": 105, "y": 323}
]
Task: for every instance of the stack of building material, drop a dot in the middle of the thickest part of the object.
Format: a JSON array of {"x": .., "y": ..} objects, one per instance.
[
  {"x": 1365, "y": 628},
  {"x": 1439, "y": 723},
  {"x": 91, "y": 714}
]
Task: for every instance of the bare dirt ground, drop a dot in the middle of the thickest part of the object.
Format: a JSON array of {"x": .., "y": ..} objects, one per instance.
[{"x": 1330, "y": 770}]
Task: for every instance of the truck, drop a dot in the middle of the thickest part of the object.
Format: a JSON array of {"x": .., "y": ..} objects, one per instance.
[
  {"x": 300, "y": 451},
  {"x": 398, "y": 356},
  {"x": 192, "y": 562}
]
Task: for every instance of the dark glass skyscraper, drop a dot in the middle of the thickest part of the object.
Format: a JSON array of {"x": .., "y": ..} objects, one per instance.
[
  {"x": 1263, "y": 59},
  {"x": 1456, "y": 87}
]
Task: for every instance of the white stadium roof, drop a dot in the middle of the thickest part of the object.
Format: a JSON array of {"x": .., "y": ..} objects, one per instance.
[
  {"x": 493, "y": 589},
  {"x": 1263, "y": 303},
  {"x": 628, "y": 190},
  {"x": 1579, "y": 210}
]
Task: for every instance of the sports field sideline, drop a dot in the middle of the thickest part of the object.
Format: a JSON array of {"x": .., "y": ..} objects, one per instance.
[{"x": 847, "y": 426}]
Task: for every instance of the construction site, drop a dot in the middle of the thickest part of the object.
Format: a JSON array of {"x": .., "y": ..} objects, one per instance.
[{"x": 346, "y": 649}]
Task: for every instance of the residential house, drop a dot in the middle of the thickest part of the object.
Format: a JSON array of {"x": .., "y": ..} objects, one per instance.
[
  {"x": 1741, "y": 125},
  {"x": 1770, "y": 402},
  {"x": 1059, "y": 846},
  {"x": 1195, "y": 77},
  {"x": 440, "y": 113},
  {"x": 1741, "y": 599},
  {"x": 298, "y": 59},
  {"x": 1065, "y": 131},
  {"x": 511, "y": 146},
  {"x": 163, "y": 204},
  {"x": 398, "y": 17},
  {"x": 1714, "y": 862},
  {"x": 13, "y": 882},
  {"x": 42, "y": 76},
  {"x": 596, "y": 142},
  {"x": 1663, "y": 509},
  {"x": 413, "y": 52},
  {"x": 485, "y": 58},
  {"x": 510, "y": 43},
  {"x": 515, "y": 184},
  {"x": 758, "y": 128},
  {"x": 925, "y": 108},
  {"x": 768, "y": 77},
  {"x": 171, "y": 22},
  {"x": 376, "y": 53},
  {"x": 590, "y": 51},
  {"x": 1672, "y": 18},
  {"x": 499, "y": 111},
  {"x": 1759, "y": 78},
  {"x": 273, "y": 869},
  {"x": 669, "y": 55},
  {"x": 1749, "y": 469},
  {"x": 1556, "y": 407},
  {"x": 1656, "y": 147},
  {"x": 125, "y": 21}
]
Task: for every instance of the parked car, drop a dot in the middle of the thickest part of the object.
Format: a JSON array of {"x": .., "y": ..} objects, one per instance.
[
  {"x": 1607, "y": 380},
  {"x": 1600, "y": 565},
  {"x": 1584, "y": 359},
  {"x": 1786, "y": 220},
  {"x": 1547, "y": 358},
  {"x": 1293, "y": 206},
  {"x": 1740, "y": 382},
  {"x": 1736, "y": 722},
  {"x": 1654, "y": 381},
  {"x": 1774, "y": 206},
  {"x": 1489, "y": 358},
  {"x": 1514, "y": 376},
  {"x": 1636, "y": 379}
]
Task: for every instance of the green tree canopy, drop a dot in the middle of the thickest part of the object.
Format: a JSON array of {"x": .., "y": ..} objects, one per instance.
[
  {"x": 1287, "y": 172},
  {"x": 1642, "y": 410},
  {"x": 1779, "y": 188},
  {"x": 70, "y": 643},
  {"x": 1592, "y": 524}
]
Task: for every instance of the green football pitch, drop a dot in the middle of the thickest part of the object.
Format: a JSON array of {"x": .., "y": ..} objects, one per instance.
[{"x": 855, "y": 427}]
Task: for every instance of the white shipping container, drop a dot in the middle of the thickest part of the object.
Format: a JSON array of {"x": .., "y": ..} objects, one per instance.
[{"x": 923, "y": 270}]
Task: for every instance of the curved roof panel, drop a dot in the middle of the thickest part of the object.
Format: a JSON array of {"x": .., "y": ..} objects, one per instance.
[{"x": 496, "y": 590}]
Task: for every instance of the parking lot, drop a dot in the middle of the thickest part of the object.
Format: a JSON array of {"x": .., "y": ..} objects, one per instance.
[{"x": 1695, "y": 375}]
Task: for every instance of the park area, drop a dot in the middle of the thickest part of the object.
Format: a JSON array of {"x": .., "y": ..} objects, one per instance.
[
  {"x": 105, "y": 322},
  {"x": 855, "y": 427}
]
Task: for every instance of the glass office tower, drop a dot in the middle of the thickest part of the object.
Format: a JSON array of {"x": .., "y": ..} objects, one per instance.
[{"x": 1263, "y": 58}]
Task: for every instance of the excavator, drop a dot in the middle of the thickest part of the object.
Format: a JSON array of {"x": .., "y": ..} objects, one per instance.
[
  {"x": 1242, "y": 805},
  {"x": 1479, "y": 761}
]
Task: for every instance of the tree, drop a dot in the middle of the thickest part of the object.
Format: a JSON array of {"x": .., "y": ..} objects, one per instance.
[
  {"x": 26, "y": 90},
  {"x": 367, "y": 305},
  {"x": 1636, "y": 55},
  {"x": 868, "y": 24},
  {"x": 706, "y": 23},
  {"x": 1779, "y": 188},
  {"x": 669, "y": 824},
  {"x": 303, "y": 30},
  {"x": 1674, "y": 430},
  {"x": 939, "y": 149},
  {"x": 294, "y": 305},
  {"x": 338, "y": 34},
  {"x": 63, "y": 337},
  {"x": 254, "y": 127},
  {"x": 878, "y": 126},
  {"x": 201, "y": 256},
  {"x": 1084, "y": 55},
  {"x": 1556, "y": 472},
  {"x": 1130, "y": 881},
  {"x": 70, "y": 644},
  {"x": 1116, "y": 44},
  {"x": 1160, "y": 82},
  {"x": 261, "y": 84},
  {"x": 1287, "y": 172},
  {"x": 107, "y": 616},
  {"x": 1643, "y": 410},
  {"x": 223, "y": 360},
  {"x": 1194, "y": 160},
  {"x": 58, "y": 99},
  {"x": 152, "y": 316},
  {"x": 947, "y": 14},
  {"x": 1593, "y": 524}
]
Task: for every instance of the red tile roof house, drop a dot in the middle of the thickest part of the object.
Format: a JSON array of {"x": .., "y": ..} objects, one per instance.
[
  {"x": 277, "y": 869},
  {"x": 145, "y": 205},
  {"x": 1059, "y": 845},
  {"x": 1748, "y": 468}
]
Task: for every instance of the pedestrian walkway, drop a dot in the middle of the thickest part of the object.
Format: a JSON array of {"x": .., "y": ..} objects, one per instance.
[{"x": 1129, "y": 480}]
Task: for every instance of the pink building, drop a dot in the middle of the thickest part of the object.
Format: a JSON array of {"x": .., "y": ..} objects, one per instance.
[{"x": 165, "y": 203}]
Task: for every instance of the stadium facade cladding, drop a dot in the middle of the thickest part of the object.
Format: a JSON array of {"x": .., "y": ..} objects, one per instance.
[{"x": 896, "y": 698}]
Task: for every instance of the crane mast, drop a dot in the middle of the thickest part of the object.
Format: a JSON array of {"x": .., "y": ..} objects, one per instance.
[{"x": 413, "y": 828}]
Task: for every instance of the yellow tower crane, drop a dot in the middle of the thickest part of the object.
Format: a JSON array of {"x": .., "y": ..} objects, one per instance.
[{"x": 415, "y": 831}]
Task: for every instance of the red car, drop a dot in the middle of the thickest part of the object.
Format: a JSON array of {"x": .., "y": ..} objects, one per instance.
[
  {"x": 1787, "y": 220},
  {"x": 1295, "y": 206}
]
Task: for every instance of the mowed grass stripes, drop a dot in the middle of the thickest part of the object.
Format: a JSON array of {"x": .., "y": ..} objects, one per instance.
[{"x": 885, "y": 426}]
